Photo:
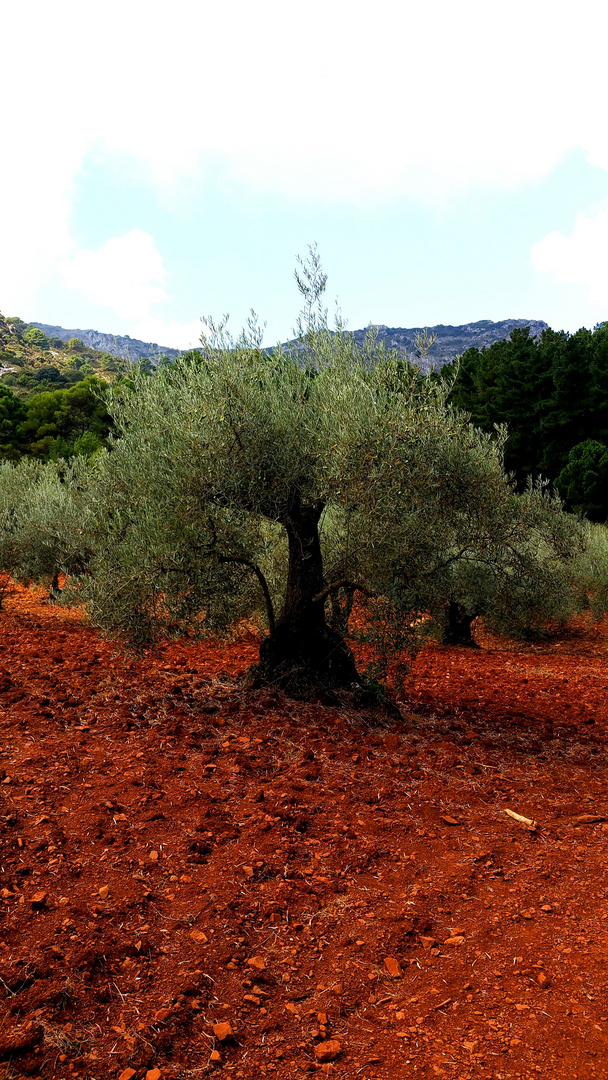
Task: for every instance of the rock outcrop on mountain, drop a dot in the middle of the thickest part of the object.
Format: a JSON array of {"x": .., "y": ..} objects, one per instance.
[
  {"x": 115, "y": 344},
  {"x": 451, "y": 341}
]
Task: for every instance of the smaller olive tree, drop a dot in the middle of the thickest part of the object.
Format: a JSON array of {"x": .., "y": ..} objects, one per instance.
[
  {"x": 590, "y": 571},
  {"x": 43, "y": 521},
  {"x": 523, "y": 572},
  {"x": 17, "y": 483}
]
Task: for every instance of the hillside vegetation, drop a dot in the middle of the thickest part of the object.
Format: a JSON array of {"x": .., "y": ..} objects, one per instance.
[
  {"x": 51, "y": 394},
  {"x": 552, "y": 392}
]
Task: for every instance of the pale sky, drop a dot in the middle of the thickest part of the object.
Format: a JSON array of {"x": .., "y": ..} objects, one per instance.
[{"x": 162, "y": 162}]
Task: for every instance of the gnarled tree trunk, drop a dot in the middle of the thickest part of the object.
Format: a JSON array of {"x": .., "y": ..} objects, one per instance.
[
  {"x": 458, "y": 626},
  {"x": 303, "y": 653}
]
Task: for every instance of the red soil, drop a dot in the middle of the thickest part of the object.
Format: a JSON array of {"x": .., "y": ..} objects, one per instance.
[{"x": 195, "y": 879}]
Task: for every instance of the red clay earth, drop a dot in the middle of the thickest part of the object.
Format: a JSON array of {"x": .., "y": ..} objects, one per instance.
[{"x": 197, "y": 879}]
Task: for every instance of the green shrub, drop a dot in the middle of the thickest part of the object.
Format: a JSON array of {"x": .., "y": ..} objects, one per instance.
[{"x": 34, "y": 336}]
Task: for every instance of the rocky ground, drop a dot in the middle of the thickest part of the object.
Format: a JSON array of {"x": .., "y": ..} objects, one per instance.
[{"x": 199, "y": 880}]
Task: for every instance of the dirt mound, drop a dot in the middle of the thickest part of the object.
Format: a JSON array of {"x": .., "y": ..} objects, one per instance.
[{"x": 195, "y": 879}]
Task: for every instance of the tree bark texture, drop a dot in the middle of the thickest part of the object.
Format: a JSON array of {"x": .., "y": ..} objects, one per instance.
[{"x": 303, "y": 652}]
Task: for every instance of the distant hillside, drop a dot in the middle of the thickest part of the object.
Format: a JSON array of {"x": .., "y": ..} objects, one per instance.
[
  {"x": 115, "y": 344},
  {"x": 451, "y": 340},
  {"x": 31, "y": 361}
]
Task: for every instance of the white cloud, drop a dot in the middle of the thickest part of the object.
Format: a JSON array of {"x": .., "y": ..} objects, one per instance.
[
  {"x": 581, "y": 258},
  {"x": 125, "y": 274},
  {"x": 169, "y": 333},
  {"x": 331, "y": 101}
]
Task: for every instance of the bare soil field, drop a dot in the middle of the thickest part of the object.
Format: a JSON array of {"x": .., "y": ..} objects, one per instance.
[{"x": 195, "y": 879}]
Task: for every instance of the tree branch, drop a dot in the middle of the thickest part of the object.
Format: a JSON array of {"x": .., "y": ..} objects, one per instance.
[
  {"x": 343, "y": 583},
  {"x": 263, "y": 584}
]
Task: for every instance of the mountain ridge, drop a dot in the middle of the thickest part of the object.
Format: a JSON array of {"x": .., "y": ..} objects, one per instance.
[{"x": 450, "y": 341}]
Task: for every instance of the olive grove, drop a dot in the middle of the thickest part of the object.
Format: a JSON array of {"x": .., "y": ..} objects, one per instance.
[{"x": 291, "y": 483}]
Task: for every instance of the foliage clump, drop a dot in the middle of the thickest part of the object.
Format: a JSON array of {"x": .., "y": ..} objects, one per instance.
[{"x": 552, "y": 392}]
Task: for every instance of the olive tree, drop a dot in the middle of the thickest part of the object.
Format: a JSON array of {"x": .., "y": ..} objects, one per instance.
[
  {"x": 53, "y": 524},
  {"x": 523, "y": 569},
  {"x": 43, "y": 516},
  {"x": 17, "y": 481},
  {"x": 288, "y": 482}
]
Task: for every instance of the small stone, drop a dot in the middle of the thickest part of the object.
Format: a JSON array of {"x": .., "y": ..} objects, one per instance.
[
  {"x": 163, "y": 1014},
  {"x": 38, "y": 900},
  {"x": 127, "y": 1074},
  {"x": 450, "y": 820},
  {"x": 542, "y": 980},
  {"x": 454, "y": 941},
  {"x": 153, "y": 1074},
  {"x": 546, "y": 907},
  {"x": 328, "y": 1050},
  {"x": 223, "y": 1031},
  {"x": 215, "y": 1057},
  {"x": 154, "y": 856},
  {"x": 515, "y": 1042},
  {"x": 428, "y": 942},
  {"x": 104, "y": 891},
  {"x": 590, "y": 819},
  {"x": 199, "y": 937},
  {"x": 393, "y": 967},
  {"x": 527, "y": 914},
  {"x": 257, "y": 962},
  {"x": 471, "y": 1045},
  {"x": 248, "y": 871}
]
